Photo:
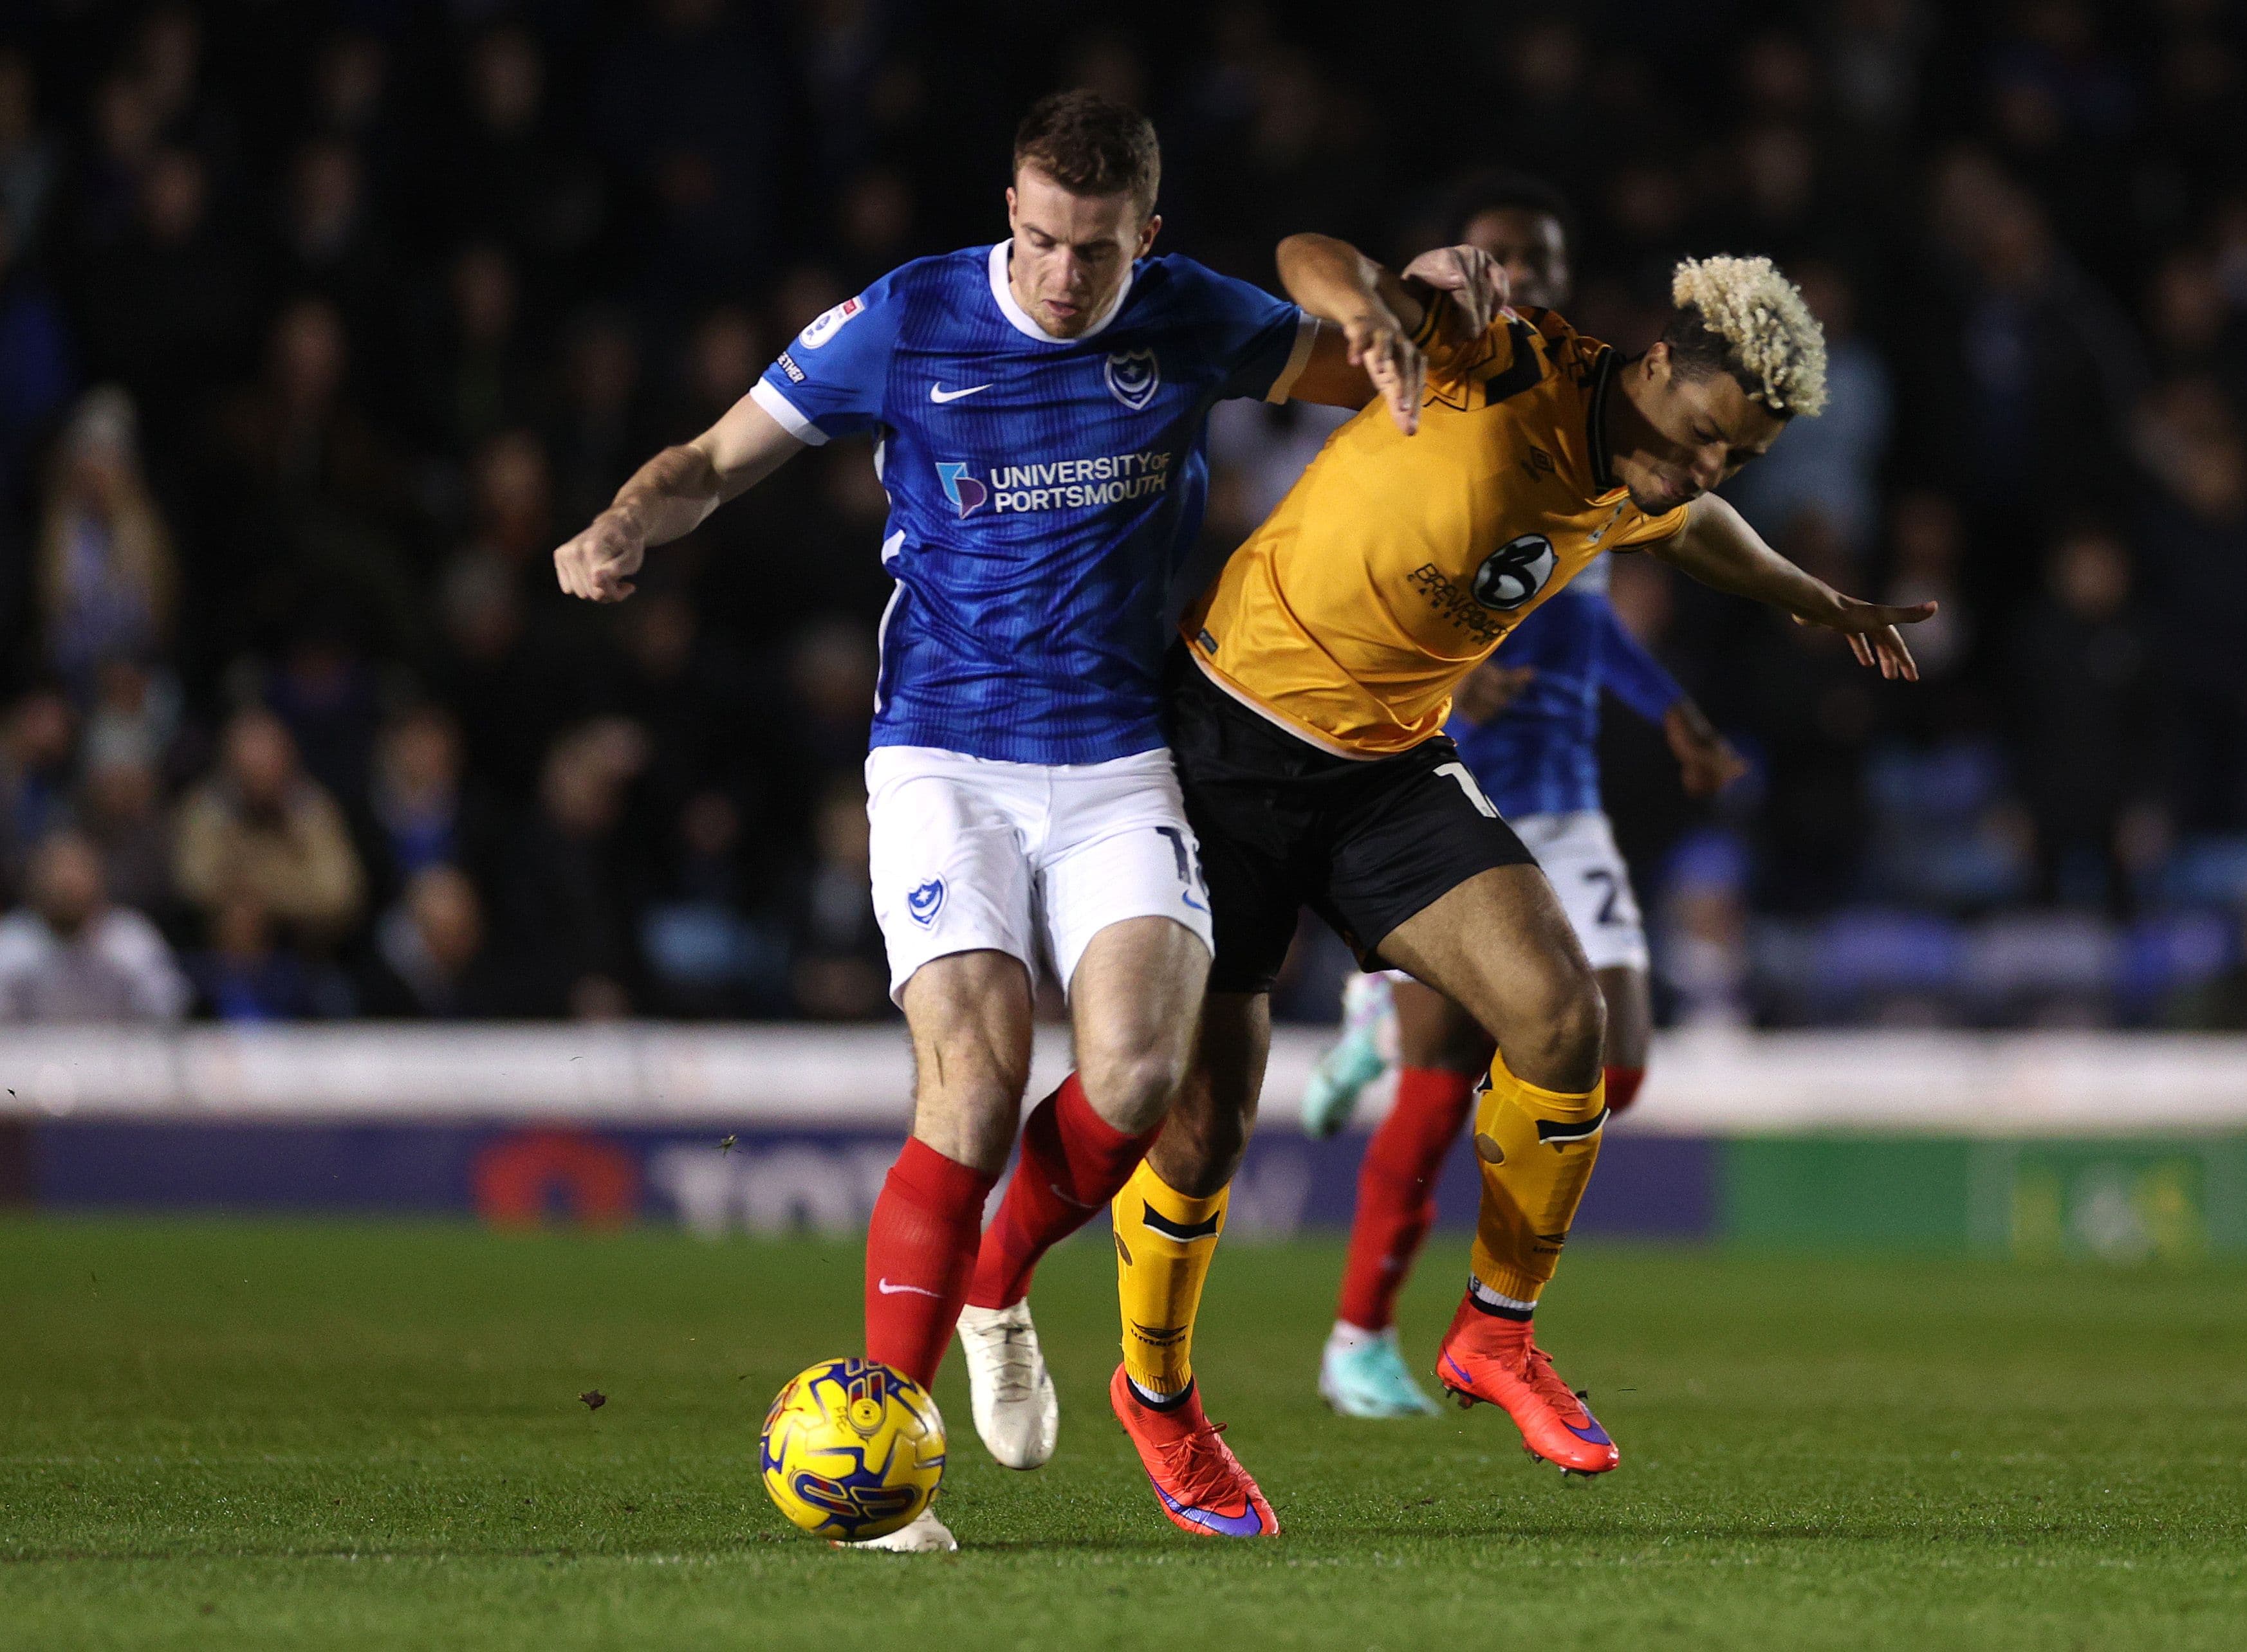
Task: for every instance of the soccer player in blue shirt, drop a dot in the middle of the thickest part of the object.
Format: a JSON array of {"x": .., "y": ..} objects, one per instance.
[
  {"x": 1038, "y": 409},
  {"x": 1528, "y": 730}
]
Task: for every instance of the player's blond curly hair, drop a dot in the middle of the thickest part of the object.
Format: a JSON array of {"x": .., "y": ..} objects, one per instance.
[{"x": 1773, "y": 342}]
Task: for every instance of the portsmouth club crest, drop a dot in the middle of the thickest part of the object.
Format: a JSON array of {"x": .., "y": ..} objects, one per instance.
[
  {"x": 1514, "y": 572},
  {"x": 926, "y": 902},
  {"x": 1132, "y": 377}
]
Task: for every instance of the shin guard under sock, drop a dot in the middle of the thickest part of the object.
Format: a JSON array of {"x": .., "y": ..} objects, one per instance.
[
  {"x": 1164, "y": 1242},
  {"x": 1537, "y": 1148}
]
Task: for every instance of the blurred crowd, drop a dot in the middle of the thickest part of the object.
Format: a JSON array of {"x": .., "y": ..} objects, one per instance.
[{"x": 322, "y": 322}]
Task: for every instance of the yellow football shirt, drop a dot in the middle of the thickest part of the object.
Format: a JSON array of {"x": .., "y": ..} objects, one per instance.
[{"x": 1398, "y": 564}]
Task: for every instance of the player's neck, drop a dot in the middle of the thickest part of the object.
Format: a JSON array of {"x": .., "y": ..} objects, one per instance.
[{"x": 1624, "y": 429}]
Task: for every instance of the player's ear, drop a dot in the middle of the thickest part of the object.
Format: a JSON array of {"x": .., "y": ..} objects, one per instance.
[
  {"x": 1657, "y": 363},
  {"x": 1148, "y": 231},
  {"x": 1010, "y": 206}
]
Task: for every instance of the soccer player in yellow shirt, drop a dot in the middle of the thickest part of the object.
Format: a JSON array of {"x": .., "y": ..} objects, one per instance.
[{"x": 1307, "y": 713}]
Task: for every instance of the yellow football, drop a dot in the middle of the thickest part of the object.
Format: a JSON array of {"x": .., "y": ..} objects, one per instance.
[{"x": 852, "y": 1449}]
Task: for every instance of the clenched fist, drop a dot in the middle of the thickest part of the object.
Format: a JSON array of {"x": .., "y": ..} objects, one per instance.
[{"x": 598, "y": 564}]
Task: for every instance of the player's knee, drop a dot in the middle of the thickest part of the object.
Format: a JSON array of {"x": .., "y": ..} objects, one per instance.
[
  {"x": 1580, "y": 1031},
  {"x": 1561, "y": 1042},
  {"x": 1131, "y": 1087},
  {"x": 1203, "y": 1140}
]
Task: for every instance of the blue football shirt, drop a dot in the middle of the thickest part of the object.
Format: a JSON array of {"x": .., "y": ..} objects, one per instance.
[
  {"x": 1540, "y": 756},
  {"x": 1044, "y": 493}
]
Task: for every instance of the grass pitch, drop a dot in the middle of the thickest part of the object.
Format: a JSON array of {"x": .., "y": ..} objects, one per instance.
[{"x": 248, "y": 1436}]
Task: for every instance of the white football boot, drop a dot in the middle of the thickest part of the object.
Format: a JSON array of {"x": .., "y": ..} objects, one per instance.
[
  {"x": 923, "y": 1535},
  {"x": 1016, "y": 1411}
]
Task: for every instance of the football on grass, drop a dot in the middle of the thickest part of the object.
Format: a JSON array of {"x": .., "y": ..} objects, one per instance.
[{"x": 852, "y": 1449}]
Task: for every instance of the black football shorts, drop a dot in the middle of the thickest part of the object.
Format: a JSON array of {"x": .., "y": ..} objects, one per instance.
[{"x": 1364, "y": 843}]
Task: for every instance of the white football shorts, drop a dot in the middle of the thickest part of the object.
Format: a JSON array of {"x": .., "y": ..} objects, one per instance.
[
  {"x": 1577, "y": 854},
  {"x": 1029, "y": 859}
]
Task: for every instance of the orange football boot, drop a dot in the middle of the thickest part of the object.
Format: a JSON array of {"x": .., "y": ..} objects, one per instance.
[
  {"x": 1485, "y": 1357},
  {"x": 1199, "y": 1482}
]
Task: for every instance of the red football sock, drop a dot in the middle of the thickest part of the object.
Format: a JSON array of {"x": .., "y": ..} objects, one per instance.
[
  {"x": 920, "y": 1250},
  {"x": 1397, "y": 1190},
  {"x": 1622, "y": 1087},
  {"x": 1073, "y": 1162}
]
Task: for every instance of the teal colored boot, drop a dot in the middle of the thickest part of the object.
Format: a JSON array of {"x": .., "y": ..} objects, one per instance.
[
  {"x": 1356, "y": 1059},
  {"x": 1369, "y": 1378}
]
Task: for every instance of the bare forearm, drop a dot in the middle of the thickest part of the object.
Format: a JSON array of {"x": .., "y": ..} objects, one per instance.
[
  {"x": 1335, "y": 282},
  {"x": 1366, "y": 317},
  {"x": 1718, "y": 548},
  {"x": 670, "y": 496}
]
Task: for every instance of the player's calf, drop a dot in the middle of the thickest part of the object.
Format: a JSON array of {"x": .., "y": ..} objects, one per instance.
[
  {"x": 970, "y": 1016},
  {"x": 1396, "y": 1193},
  {"x": 1072, "y": 1163}
]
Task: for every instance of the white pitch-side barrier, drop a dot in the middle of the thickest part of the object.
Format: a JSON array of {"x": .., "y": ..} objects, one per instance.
[{"x": 1701, "y": 1082}]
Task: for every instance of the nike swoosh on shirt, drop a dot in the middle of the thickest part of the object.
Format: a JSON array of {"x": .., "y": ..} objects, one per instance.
[
  {"x": 940, "y": 395},
  {"x": 887, "y": 1289}
]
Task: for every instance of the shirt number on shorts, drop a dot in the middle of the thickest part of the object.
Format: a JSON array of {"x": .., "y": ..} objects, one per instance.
[
  {"x": 1458, "y": 772},
  {"x": 1190, "y": 873},
  {"x": 1606, "y": 880}
]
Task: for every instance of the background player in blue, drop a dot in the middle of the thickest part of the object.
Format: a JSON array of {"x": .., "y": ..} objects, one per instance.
[
  {"x": 1038, "y": 409},
  {"x": 1528, "y": 729}
]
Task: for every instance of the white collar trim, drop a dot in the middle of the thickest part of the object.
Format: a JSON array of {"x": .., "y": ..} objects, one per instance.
[{"x": 1003, "y": 290}]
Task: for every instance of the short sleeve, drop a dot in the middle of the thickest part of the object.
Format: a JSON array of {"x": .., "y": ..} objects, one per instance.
[
  {"x": 1261, "y": 342},
  {"x": 1650, "y": 530},
  {"x": 832, "y": 378}
]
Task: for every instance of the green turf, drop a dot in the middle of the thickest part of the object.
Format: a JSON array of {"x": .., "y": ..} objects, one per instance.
[{"x": 247, "y": 1436}]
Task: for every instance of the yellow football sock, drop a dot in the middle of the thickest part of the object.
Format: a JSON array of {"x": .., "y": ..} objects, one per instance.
[
  {"x": 1537, "y": 1148},
  {"x": 1164, "y": 1242}
]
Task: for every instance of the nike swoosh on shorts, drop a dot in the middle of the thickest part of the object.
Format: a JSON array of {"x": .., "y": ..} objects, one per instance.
[{"x": 940, "y": 395}]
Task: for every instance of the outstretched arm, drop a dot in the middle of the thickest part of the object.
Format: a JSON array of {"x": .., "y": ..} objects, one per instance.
[
  {"x": 1717, "y": 548},
  {"x": 669, "y": 496}
]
